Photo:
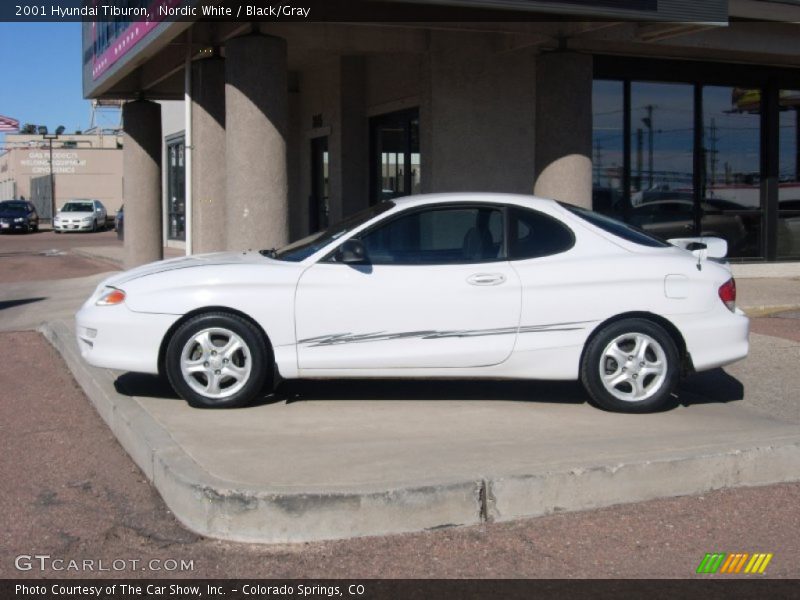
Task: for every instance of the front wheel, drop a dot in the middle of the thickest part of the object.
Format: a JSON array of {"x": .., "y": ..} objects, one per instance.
[
  {"x": 631, "y": 366},
  {"x": 218, "y": 360}
]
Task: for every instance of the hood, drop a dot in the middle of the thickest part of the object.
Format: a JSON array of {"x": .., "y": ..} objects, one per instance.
[
  {"x": 189, "y": 262},
  {"x": 74, "y": 215},
  {"x": 13, "y": 214}
]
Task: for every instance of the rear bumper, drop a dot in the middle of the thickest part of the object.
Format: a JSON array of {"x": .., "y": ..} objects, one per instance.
[{"x": 715, "y": 339}]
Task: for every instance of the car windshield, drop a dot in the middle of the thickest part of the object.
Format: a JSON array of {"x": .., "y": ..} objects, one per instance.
[
  {"x": 13, "y": 207},
  {"x": 78, "y": 207},
  {"x": 618, "y": 228},
  {"x": 303, "y": 248}
]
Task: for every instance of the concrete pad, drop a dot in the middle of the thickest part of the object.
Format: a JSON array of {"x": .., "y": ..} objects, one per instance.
[{"x": 345, "y": 459}]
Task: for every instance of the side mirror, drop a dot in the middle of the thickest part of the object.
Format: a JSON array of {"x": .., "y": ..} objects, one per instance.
[{"x": 352, "y": 252}]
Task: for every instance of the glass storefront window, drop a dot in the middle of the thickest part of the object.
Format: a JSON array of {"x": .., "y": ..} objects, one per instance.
[
  {"x": 731, "y": 178},
  {"x": 688, "y": 174},
  {"x": 608, "y": 144},
  {"x": 789, "y": 175},
  {"x": 662, "y": 138}
]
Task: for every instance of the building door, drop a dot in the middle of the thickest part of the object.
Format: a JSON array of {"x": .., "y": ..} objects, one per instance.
[
  {"x": 394, "y": 155},
  {"x": 318, "y": 208},
  {"x": 176, "y": 195}
]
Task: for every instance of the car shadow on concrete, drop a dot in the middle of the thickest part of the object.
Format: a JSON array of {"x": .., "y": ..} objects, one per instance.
[
  {"x": 710, "y": 387},
  {"x": 145, "y": 386},
  {"x": 560, "y": 392},
  {"x": 4, "y": 304}
]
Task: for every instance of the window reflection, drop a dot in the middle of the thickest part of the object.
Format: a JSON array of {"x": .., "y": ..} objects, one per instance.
[
  {"x": 662, "y": 142},
  {"x": 608, "y": 146},
  {"x": 789, "y": 175},
  {"x": 663, "y": 153},
  {"x": 730, "y": 182}
]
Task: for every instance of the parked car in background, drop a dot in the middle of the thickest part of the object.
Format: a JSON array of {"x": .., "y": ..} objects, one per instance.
[
  {"x": 674, "y": 218},
  {"x": 119, "y": 223},
  {"x": 18, "y": 215},
  {"x": 81, "y": 215},
  {"x": 488, "y": 286}
]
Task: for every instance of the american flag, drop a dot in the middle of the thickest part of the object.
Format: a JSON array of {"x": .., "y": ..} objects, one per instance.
[{"x": 8, "y": 124}]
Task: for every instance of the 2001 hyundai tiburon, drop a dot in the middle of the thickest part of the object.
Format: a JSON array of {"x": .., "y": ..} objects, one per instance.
[{"x": 445, "y": 286}]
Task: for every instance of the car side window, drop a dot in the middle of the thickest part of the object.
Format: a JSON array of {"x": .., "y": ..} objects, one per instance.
[
  {"x": 533, "y": 234},
  {"x": 439, "y": 236}
]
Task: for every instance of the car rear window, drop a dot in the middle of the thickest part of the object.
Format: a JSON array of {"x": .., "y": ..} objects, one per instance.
[{"x": 622, "y": 230}]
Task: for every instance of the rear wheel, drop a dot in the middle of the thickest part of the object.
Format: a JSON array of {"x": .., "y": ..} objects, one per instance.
[
  {"x": 218, "y": 360},
  {"x": 632, "y": 365}
]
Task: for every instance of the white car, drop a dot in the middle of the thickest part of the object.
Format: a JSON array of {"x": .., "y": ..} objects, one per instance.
[
  {"x": 487, "y": 286},
  {"x": 81, "y": 215}
]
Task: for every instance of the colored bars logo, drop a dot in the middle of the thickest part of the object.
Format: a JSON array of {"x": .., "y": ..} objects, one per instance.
[{"x": 741, "y": 562}]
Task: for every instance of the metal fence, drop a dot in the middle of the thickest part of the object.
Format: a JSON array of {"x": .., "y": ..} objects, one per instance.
[{"x": 41, "y": 194}]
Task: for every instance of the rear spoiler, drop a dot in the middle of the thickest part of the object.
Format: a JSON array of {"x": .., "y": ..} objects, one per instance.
[{"x": 703, "y": 247}]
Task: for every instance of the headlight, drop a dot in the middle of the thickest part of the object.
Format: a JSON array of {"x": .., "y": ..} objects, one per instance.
[
  {"x": 111, "y": 297},
  {"x": 19, "y": 220}
]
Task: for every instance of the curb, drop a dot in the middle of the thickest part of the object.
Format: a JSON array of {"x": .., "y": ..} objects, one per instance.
[
  {"x": 215, "y": 508},
  {"x": 765, "y": 311},
  {"x": 106, "y": 259}
]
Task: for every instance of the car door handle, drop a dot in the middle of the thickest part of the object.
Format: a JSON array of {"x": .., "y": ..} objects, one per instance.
[{"x": 486, "y": 279}]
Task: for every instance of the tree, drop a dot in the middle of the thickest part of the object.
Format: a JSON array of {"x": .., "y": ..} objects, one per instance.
[{"x": 28, "y": 129}]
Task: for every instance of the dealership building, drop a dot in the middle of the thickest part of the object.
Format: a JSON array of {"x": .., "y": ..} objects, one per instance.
[{"x": 680, "y": 117}]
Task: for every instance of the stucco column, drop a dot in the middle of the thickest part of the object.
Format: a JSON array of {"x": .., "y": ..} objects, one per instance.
[
  {"x": 256, "y": 120},
  {"x": 141, "y": 187},
  {"x": 564, "y": 127},
  {"x": 208, "y": 155}
]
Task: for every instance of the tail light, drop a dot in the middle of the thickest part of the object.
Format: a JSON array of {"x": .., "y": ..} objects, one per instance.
[{"x": 727, "y": 293}]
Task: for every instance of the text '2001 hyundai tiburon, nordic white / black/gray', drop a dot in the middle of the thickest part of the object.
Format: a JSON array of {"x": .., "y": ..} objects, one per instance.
[{"x": 436, "y": 286}]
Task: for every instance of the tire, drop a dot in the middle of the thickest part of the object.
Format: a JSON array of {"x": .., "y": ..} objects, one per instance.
[
  {"x": 94, "y": 226},
  {"x": 631, "y": 366},
  {"x": 204, "y": 374}
]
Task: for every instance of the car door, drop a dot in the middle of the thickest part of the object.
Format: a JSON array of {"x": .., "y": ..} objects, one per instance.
[
  {"x": 436, "y": 292},
  {"x": 100, "y": 213}
]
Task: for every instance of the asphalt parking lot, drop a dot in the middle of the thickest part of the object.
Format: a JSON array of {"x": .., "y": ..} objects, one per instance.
[
  {"x": 72, "y": 491},
  {"x": 45, "y": 255}
]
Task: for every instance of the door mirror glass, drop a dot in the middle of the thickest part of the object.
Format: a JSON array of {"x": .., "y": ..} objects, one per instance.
[{"x": 352, "y": 252}]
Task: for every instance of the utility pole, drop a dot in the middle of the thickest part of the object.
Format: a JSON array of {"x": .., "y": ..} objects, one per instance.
[
  {"x": 648, "y": 122},
  {"x": 639, "y": 148},
  {"x": 598, "y": 163},
  {"x": 712, "y": 152},
  {"x": 50, "y": 138}
]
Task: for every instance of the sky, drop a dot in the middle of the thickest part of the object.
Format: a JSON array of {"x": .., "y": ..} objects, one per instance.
[{"x": 40, "y": 81}]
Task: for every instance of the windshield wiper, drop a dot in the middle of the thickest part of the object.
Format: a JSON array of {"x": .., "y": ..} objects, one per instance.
[{"x": 271, "y": 253}]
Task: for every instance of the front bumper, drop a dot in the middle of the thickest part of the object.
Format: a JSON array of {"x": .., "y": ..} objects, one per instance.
[
  {"x": 72, "y": 226},
  {"x": 11, "y": 226},
  {"x": 115, "y": 337}
]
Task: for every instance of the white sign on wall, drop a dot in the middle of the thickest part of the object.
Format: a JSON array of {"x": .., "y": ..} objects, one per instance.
[{"x": 63, "y": 162}]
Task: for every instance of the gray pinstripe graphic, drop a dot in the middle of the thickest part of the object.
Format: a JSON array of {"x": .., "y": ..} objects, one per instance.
[{"x": 334, "y": 339}]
